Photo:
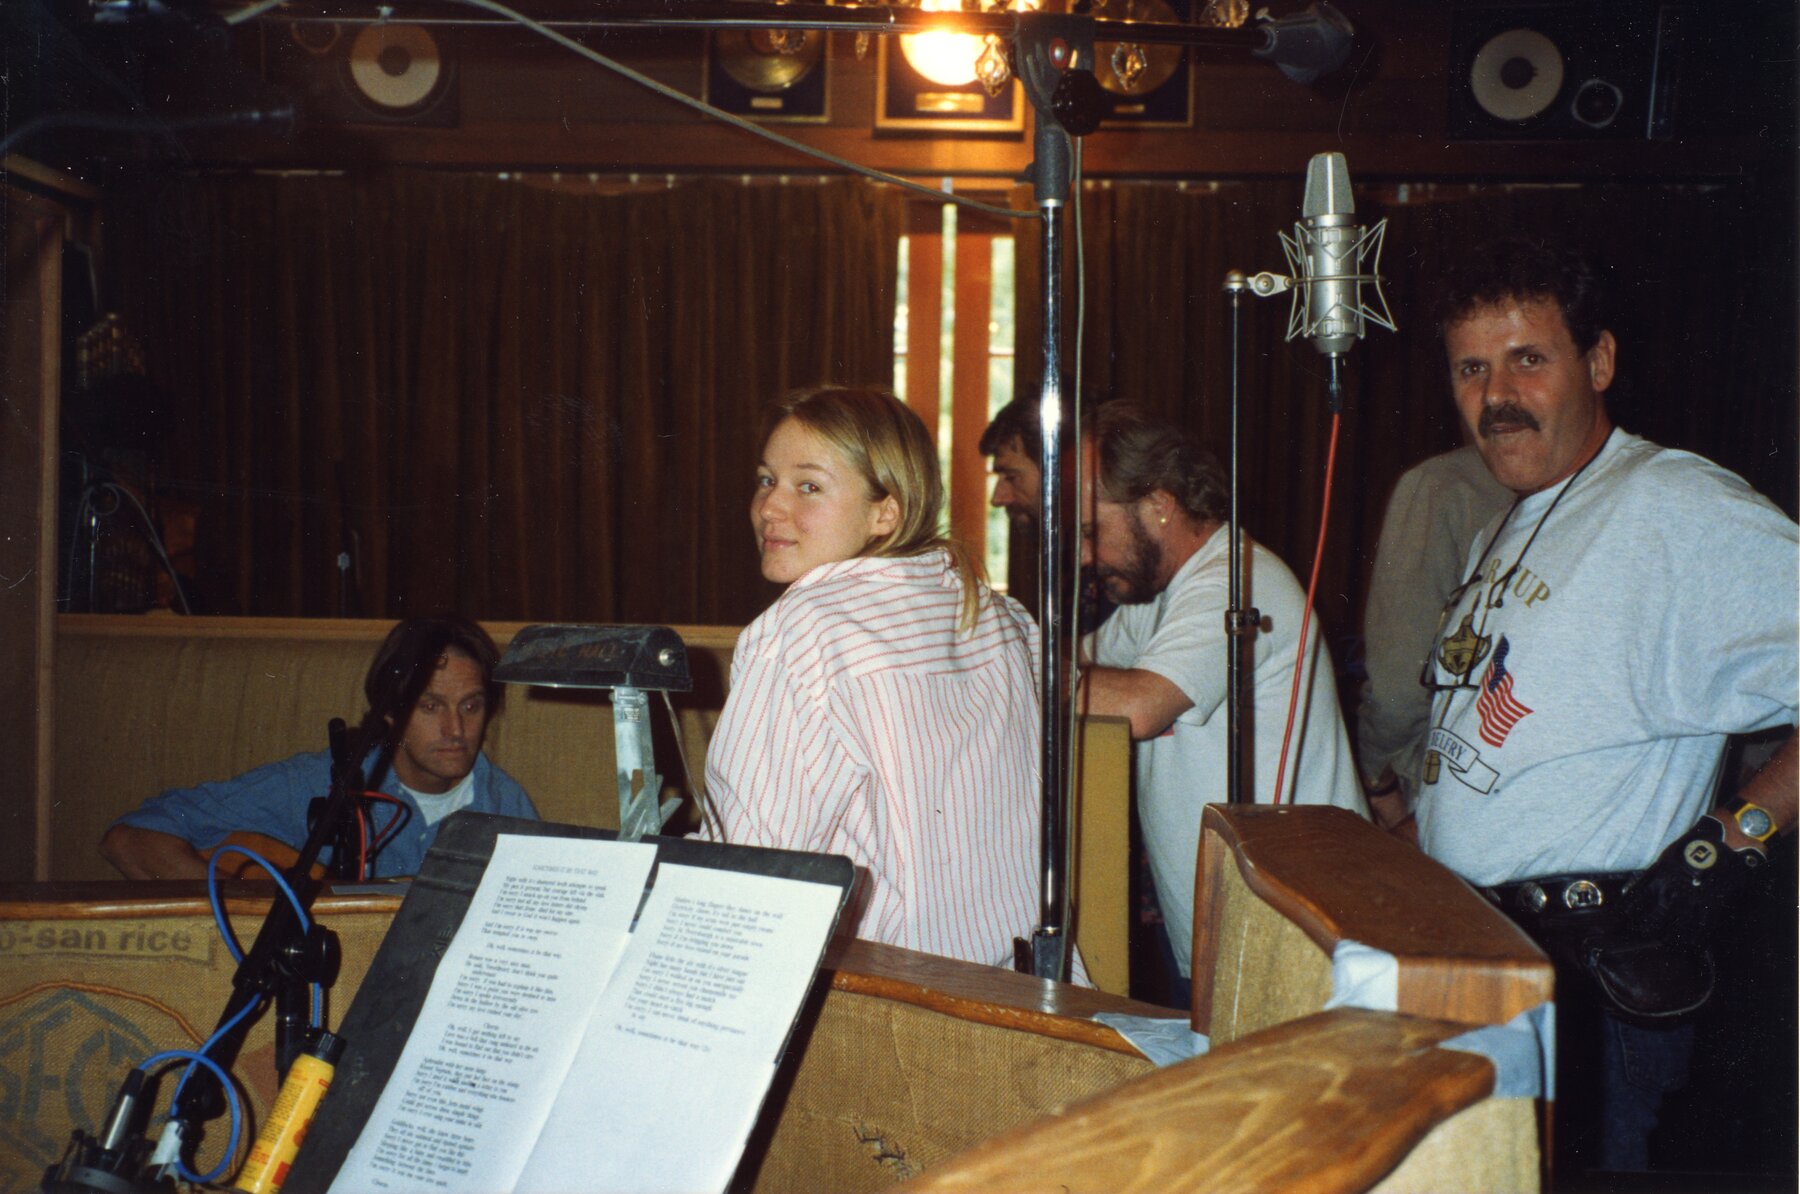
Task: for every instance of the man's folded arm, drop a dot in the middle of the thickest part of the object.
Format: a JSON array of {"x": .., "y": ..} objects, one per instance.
[
  {"x": 1151, "y": 702},
  {"x": 149, "y": 854}
]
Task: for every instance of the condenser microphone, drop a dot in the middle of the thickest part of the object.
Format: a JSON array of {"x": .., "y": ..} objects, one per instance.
[
  {"x": 1328, "y": 215},
  {"x": 1333, "y": 258}
]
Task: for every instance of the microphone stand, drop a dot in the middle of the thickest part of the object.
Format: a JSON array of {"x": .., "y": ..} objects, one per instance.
[
  {"x": 285, "y": 960},
  {"x": 1334, "y": 327},
  {"x": 1241, "y": 624},
  {"x": 1054, "y": 55}
]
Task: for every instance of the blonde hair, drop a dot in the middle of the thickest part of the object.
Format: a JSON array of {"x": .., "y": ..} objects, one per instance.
[{"x": 887, "y": 445}]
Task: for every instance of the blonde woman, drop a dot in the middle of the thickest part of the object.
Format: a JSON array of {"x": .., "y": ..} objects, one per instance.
[{"x": 885, "y": 706}]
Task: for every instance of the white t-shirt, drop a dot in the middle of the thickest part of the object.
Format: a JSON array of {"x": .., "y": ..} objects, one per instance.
[
  {"x": 1180, "y": 635},
  {"x": 434, "y": 808},
  {"x": 1654, "y": 614}
]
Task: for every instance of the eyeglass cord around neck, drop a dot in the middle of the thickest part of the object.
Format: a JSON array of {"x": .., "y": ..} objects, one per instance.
[{"x": 1493, "y": 601}]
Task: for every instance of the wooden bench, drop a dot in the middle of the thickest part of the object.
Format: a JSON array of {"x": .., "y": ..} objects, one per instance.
[
  {"x": 913, "y": 1068},
  {"x": 144, "y": 704},
  {"x": 1292, "y": 1096}
]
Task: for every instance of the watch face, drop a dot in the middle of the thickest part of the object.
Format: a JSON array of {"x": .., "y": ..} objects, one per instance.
[{"x": 1755, "y": 822}]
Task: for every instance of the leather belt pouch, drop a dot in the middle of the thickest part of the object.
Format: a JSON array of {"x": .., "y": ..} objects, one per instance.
[{"x": 1640, "y": 980}]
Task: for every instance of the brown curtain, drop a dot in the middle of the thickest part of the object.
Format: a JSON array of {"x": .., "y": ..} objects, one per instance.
[
  {"x": 517, "y": 401},
  {"x": 1705, "y": 311}
]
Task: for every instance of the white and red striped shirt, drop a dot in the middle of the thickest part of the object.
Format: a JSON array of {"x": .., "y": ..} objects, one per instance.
[{"x": 862, "y": 722}]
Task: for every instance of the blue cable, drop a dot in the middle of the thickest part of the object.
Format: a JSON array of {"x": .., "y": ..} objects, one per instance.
[
  {"x": 199, "y": 1056},
  {"x": 212, "y": 894},
  {"x": 214, "y": 1039}
]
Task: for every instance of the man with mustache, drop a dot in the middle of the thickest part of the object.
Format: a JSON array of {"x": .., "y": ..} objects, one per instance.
[
  {"x": 1152, "y": 513},
  {"x": 1633, "y": 607},
  {"x": 431, "y": 696}
]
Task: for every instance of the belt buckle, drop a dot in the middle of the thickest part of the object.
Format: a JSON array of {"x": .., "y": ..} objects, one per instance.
[{"x": 1583, "y": 894}]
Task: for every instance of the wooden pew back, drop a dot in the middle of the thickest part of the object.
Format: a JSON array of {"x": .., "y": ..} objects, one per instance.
[
  {"x": 1278, "y": 889},
  {"x": 144, "y": 704},
  {"x": 905, "y": 1060},
  {"x": 95, "y": 978},
  {"x": 148, "y": 703},
  {"x": 924, "y": 1069}
]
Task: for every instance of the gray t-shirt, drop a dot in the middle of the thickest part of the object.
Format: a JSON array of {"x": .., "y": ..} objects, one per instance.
[
  {"x": 1426, "y": 537},
  {"x": 1653, "y": 616}
]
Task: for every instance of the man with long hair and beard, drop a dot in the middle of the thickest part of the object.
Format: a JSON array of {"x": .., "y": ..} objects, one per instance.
[{"x": 1152, "y": 510}]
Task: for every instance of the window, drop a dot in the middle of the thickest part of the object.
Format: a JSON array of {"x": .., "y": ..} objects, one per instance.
[{"x": 953, "y": 355}]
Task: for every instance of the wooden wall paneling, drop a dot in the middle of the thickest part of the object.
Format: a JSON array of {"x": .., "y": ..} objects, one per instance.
[{"x": 30, "y": 375}]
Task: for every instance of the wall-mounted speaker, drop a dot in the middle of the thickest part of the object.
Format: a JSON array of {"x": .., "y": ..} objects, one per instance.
[
  {"x": 1556, "y": 71},
  {"x": 383, "y": 73}
]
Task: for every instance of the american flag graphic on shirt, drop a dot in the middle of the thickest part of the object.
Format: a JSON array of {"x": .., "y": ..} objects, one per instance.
[{"x": 1500, "y": 711}]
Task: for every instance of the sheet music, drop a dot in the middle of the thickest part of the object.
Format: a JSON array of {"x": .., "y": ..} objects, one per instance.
[
  {"x": 682, "y": 1045},
  {"x": 508, "y": 1006}
]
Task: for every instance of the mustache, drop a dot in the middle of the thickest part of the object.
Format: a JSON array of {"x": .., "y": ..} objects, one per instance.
[{"x": 1509, "y": 413}]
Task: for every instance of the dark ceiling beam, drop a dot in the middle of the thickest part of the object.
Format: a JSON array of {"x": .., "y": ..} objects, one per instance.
[{"x": 634, "y": 15}]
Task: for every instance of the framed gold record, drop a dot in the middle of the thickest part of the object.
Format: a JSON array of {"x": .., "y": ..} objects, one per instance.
[
  {"x": 1145, "y": 86},
  {"x": 905, "y": 100},
  {"x": 769, "y": 74}
]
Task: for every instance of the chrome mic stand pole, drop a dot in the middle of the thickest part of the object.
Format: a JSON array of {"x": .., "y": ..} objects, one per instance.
[
  {"x": 1240, "y": 624},
  {"x": 1054, "y": 54},
  {"x": 1046, "y": 955}
]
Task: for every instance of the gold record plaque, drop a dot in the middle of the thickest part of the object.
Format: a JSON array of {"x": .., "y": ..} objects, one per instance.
[
  {"x": 907, "y": 100},
  {"x": 1145, "y": 85},
  {"x": 770, "y": 74}
]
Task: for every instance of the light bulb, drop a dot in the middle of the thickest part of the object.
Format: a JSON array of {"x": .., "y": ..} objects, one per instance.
[{"x": 947, "y": 59}]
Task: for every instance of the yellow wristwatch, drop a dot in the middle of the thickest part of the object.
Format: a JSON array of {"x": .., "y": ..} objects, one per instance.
[{"x": 1753, "y": 820}]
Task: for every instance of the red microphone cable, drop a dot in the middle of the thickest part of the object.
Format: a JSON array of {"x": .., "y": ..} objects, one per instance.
[
  {"x": 401, "y": 813},
  {"x": 1312, "y": 588}
]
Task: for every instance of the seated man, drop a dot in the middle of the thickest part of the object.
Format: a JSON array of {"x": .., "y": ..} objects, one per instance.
[
  {"x": 431, "y": 692},
  {"x": 1153, "y": 505}
]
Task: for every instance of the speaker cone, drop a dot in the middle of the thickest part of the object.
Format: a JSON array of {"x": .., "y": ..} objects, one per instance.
[
  {"x": 1516, "y": 75},
  {"x": 395, "y": 66}
]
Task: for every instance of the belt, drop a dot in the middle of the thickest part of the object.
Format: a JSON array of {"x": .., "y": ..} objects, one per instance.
[{"x": 1559, "y": 895}]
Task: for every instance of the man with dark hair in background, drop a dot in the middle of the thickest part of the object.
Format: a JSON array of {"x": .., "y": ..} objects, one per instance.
[
  {"x": 1016, "y": 442},
  {"x": 1631, "y": 609},
  {"x": 431, "y": 694},
  {"x": 1152, "y": 513}
]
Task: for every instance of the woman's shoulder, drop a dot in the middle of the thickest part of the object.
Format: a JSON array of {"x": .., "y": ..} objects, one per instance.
[
  {"x": 829, "y": 593},
  {"x": 1007, "y": 610}
]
